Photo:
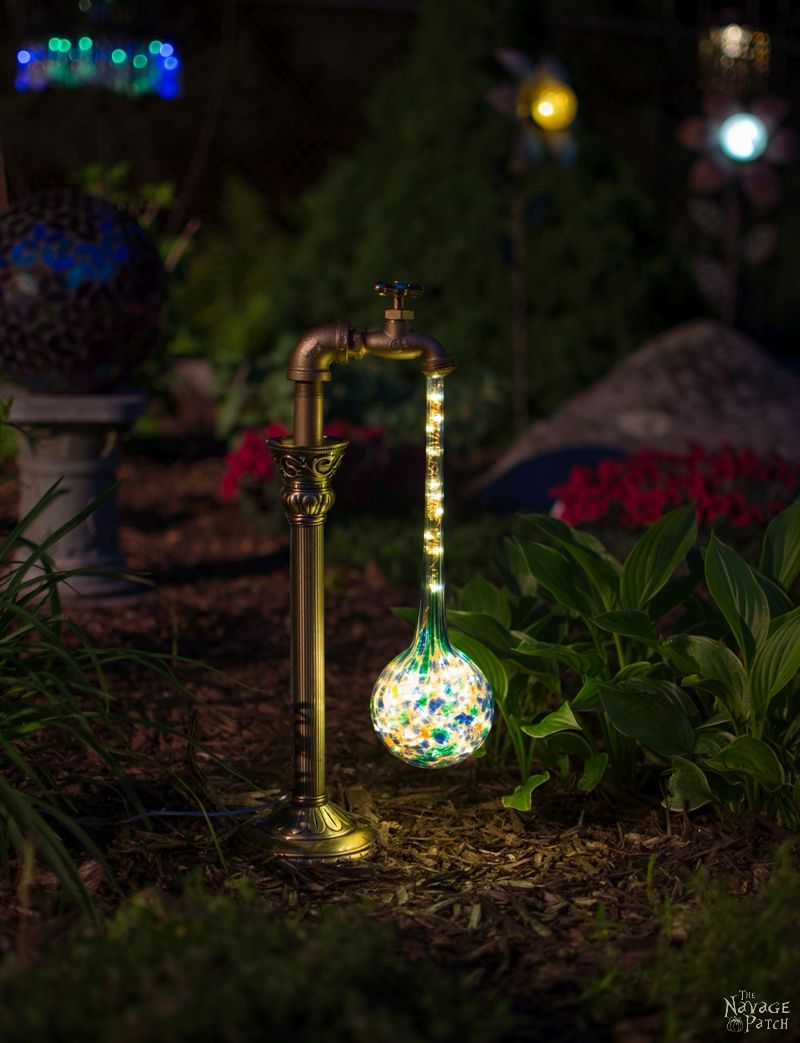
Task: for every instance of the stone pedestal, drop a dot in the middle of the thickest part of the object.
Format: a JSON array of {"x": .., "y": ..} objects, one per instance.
[{"x": 75, "y": 438}]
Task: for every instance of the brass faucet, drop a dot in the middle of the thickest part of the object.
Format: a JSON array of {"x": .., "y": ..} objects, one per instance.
[{"x": 307, "y": 826}]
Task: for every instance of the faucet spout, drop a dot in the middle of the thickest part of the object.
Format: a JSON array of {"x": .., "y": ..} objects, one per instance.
[{"x": 397, "y": 341}]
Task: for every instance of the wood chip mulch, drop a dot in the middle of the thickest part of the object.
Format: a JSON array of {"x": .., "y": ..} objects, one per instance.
[{"x": 532, "y": 905}]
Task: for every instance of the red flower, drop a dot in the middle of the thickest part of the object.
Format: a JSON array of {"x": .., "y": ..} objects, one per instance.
[{"x": 735, "y": 485}]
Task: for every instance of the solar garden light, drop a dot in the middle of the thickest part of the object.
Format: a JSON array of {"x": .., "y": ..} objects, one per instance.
[
  {"x": 431, "y": 705},
  {"x": 743, "y": 137}
]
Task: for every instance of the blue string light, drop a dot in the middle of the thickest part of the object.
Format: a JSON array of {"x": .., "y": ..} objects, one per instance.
[{"x": 143, "y": 67}]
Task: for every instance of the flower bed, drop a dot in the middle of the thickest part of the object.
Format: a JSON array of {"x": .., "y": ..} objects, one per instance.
[{"x": 733, "y": 485}]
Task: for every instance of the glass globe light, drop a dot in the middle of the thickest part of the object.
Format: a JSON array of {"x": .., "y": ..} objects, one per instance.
[
  {"x": 431, "y": 706},
  {"x": 743, "y": 137}
]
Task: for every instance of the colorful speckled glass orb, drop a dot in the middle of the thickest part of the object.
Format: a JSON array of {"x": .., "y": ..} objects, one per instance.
[
  {"x": 431, "y": 705},
  {"x": 81, "y": 292}
]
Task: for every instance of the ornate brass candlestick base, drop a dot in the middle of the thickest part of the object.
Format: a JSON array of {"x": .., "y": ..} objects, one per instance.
[
  {"x": 323, "y": 833},
  {"x": 307, "y": 826}
]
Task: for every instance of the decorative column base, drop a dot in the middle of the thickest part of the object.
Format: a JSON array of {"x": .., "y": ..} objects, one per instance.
[
  {"x": 308, "y": 827},
  {"x": 75, "y": 438},
  {"x": 316, "y": 833}
]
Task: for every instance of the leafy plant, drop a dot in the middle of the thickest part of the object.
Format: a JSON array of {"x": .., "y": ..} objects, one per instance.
[
  {"x": 676, "y": 666},
  {"x": 732, "y": 942},
  {"x": 56, "y": 696},
  {"x": 223, "y": 967}
]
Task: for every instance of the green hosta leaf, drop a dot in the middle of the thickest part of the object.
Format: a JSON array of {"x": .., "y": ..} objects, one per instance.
[
  {"x": 588, "y": 698},
  {"x": 709, "y": 743},
  {"x": 778, "y": 621},
  {"x": 594, "y": 769},
  {"x": 521, "y": 797},
  {"x": 582, "y": 662},
  {"x": 687, "y": 786},
  {"x": 479, "y": 595},
  {"x": 641, "y": 668},
  {"x": 778, "y": 600},
  {"x": 557, "y": 574},
  {"x": 485, "y": 628},
  {"x": 485, "y": 660},
  {"x": 776, "y": 663},
  {"x": 656, "y": 555},
  {"x": 753, "y": 757},
  {"x": 550, "y": 681},
  {"x": 703, "y": 658},
  {"x": 408, "y": 615},
  {"x": 651, "y": 714},
  {"x": 560, "y": 532},
  {"x": 513, "y": 565},
  {"x": 558, "y": 721},
  {"x": 672, "y": 594},
  {"x": 517, "y": 697},
  {"x": 780, "y": 553},
  {"x": 628, "y": 624},
  {"x": 575, "y": 744},
  {"x": 599, "y": 566},
  {"x": 726, "y": 789},
  {"x": 738, "y": 596}
]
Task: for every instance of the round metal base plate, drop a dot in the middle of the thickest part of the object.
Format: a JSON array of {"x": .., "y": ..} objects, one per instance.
[{"x": 320, "y": 833}]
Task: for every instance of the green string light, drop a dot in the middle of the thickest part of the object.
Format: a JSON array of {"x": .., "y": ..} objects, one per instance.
[
  {"x": 118, "y": 56},
  {"x": 139, "y": 61},
  {"x": 85, "y": 43}
]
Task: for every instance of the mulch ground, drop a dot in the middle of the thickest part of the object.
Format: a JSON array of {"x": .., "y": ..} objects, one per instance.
[{"x": 521, "y": 900}]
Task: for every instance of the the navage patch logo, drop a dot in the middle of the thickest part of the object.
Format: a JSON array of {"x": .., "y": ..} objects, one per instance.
[{"x": 745, "y": 1011}]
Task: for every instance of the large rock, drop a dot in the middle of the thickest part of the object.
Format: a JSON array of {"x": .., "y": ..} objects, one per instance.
[{"x": 699, "y": 382}]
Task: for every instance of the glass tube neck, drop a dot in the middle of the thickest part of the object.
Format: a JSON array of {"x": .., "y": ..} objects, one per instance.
[{"x": 431, "y": 622}]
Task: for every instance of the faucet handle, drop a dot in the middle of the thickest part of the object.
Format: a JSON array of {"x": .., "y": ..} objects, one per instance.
[{"x": 399, "y": 291}]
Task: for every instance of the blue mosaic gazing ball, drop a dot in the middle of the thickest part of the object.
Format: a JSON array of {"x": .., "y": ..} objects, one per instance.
[{"x": 82, "y": 288}]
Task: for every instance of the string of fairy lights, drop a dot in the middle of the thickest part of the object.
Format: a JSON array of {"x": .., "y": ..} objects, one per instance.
[
  {"x": 124, "y": 67},
  {"x": 434, "y": 484}
]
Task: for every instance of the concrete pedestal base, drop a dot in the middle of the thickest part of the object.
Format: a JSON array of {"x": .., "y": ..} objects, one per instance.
[{"x": 75, "y": 438}]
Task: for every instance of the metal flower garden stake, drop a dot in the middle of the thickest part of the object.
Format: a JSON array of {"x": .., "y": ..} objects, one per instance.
[
  {"x": 544, "y": 107},
  {"x": 431, "y": 705},
  {"x": 739, "y": 142}
]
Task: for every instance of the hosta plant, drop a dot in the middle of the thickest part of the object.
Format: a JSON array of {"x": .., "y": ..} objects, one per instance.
[{"x": 675, "y": 668}]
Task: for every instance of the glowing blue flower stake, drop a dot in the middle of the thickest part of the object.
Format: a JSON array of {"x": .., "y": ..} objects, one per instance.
[{"x": 431, "y": 705}]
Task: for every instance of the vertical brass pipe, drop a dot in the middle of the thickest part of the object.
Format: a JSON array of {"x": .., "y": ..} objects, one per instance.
[
  {"x": 308, "y": 660},
  {"x": 307, "y": 654},
  {"x": 308, "y": 412},
  {"x": 308, "y": 826}
]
